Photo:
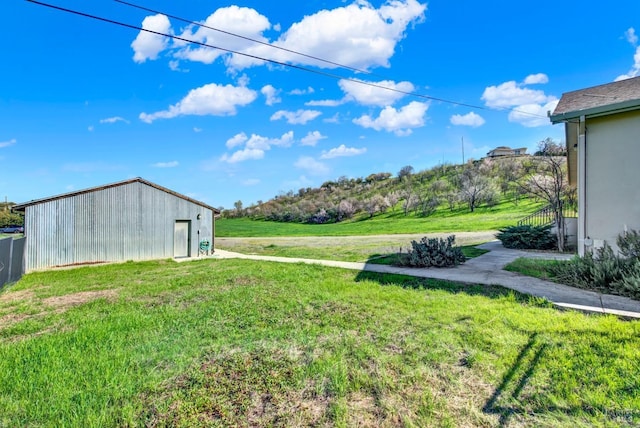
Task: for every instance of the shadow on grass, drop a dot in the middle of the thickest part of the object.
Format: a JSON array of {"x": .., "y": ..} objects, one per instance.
[
  {"x": 410, "y": 282},
  {"x": 506, "y": 399}
]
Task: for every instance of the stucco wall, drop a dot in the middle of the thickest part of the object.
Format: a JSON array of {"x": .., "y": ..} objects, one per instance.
[{"x": 612, "y": 176}]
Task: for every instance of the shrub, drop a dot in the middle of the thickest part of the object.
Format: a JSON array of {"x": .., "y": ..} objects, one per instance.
[
  {"x": 605, "y": 271},
  {"x": 527, "y": 237},
  {"x": 629, "y": 244},
  {"x": 433, "y": 252}
]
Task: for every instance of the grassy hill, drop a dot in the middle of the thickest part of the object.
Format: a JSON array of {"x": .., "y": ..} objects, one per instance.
[
  {"x": 503, "y": 214},
  {"x": 477, "y": 196}
]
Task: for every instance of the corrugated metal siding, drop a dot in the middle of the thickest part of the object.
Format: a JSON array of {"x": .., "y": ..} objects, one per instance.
[{"x": 129, "y": 222}]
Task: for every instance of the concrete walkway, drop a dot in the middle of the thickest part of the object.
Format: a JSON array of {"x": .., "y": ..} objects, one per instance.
[{"x": 487, "y": 269}]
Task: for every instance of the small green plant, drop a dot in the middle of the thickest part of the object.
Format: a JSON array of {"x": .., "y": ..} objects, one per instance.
[
  {"x": 527, "y": 237},
  {"x": 433, "y": 252}
]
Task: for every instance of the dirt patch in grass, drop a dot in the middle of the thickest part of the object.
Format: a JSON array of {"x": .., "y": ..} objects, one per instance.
[
  {"x": 43, "y": 307},
  {"x": 75, "y": 299},
  {"x": 16, "y": 296}
]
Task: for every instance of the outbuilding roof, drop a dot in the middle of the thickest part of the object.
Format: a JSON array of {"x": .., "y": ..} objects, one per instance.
[
  {"x": 609, "y": 98},
  {"x": 22, "y": 206}
]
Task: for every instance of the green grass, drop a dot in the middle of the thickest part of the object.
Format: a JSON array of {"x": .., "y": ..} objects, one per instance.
[
  {"x": 351, "y": 250},
  {"x": 247, "y": 343},
  {"x": 461, "y": 220},
  {"x": 534, "y": 267}
]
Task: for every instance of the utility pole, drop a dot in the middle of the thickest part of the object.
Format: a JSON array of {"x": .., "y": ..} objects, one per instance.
[{"x": 462, "y": 150}]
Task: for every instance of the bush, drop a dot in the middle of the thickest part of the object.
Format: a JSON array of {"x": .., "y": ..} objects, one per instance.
[
  {"x": 433, "y": 252},
  {"x": 605, "y": 271},
  {"x": 527, "y": 237},
  {"x": 629, "y": 244}
]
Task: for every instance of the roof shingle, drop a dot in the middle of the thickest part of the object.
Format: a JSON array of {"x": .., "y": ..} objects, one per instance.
[{"x": 600, "y": 99}]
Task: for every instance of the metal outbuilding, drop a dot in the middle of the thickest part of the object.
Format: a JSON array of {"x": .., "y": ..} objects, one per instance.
[{"x": 128, "y": 220}]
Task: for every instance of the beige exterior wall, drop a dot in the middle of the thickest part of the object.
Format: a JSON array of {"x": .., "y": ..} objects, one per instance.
[{"x": 612, "y": 179}]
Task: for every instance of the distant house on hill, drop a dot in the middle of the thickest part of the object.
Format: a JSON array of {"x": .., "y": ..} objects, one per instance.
[
  {"x": 602, "y": 128},
  {"x": 128, "y": 220},
  {"x": 506, "y": 151}
]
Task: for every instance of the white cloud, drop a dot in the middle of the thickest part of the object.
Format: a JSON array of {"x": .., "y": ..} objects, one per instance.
[
  {"x": 374, "y": 93},
  {"x": 312, "y": 138},
  {"x": 236, "y": 140},
  {"x": 534, "y": 79},
  {"x": 114, "y": 120},
  {"x": 299, "y": 117},
  {"x": 510, "y": 94},
  {"x": 631, "y": 36},
  {"x": 357, "y": 35},
  {"x": 197, "y": 130},
  {"x": 251, "y": 182},
  {"x": 470, "y": 119},
  {"x": 532, "y": 115},
  {"x": 254, "y": 146},
  {"x": 148, "y": 45},
  {"x": 333, "y": 119},
  {"x": 325, "y": 103},
  {"x": 398, "y": 121},
  {"x": 171, "y": 164},
  {"x": 90, "y": 128},
  {"x": 175, "y": 66},
  {"x": 207, "y": 100},
  {"x": 257, "y": 141},
  {"x": 271, "y": 94},
  {"x": 243, "y": 155},
  {"x": 528, "y": 106},
  {"x": 635, "y": 69},
  {"x": 342, "y": 151},
  {"x": 309, "y": 90},
  {"x": 311, "y": 166},
  {"x": 11, "y": 142},
  {"x": 233, "y": 19}
]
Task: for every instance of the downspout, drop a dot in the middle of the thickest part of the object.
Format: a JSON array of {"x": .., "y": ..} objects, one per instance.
[{"x": 582, "y": 186}]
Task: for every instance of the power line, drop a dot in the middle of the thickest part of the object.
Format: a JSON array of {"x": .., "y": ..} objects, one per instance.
[
  {"x": 283, "y": 64},
  {"x": 188, "y": 21}
]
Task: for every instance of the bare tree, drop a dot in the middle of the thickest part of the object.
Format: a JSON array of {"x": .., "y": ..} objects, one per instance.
[
  {"x": 405, "y": 171},
  {"x": 393, "y": 199},
  {"x": 346, "y": 209},
  {"x": 475, "y": 187},
  {"x": 549, "y": 182}
]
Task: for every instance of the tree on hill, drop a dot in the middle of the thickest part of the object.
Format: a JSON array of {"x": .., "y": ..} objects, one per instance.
[
  {"x": 475, "y": 186},
  {"x": 548, "y": 147},
  {"x": 405, "y": 172},
  {"x": 549, "y": 182}
]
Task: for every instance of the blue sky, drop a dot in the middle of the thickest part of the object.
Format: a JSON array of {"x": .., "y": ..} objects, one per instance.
[{"x": 85, "y": 103}]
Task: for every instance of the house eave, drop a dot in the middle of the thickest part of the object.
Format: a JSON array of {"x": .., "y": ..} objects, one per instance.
[{"x": 607, "y": 110}]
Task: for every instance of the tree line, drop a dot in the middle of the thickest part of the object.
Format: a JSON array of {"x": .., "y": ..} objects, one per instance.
[{"x": 475, "y": 184}]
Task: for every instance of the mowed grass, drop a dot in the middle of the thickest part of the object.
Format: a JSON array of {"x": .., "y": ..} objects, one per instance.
[
  {"x": 351, "y": 249},
  {"x": 247, "y": 343},
  {"x": 460, "y": 220},
  {"x": 537, "y": 268}
]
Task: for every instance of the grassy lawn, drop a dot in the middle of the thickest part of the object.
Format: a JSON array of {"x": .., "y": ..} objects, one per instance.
[
  {"x": 534, "y": 267},
  {"x": 352, "y": 249},
  {"x": 503, "y": 214},
  {"x": 247, "y": 343}
]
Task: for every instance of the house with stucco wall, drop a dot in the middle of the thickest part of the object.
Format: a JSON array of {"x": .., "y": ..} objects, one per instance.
[{"x": 602, "y": 130}]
